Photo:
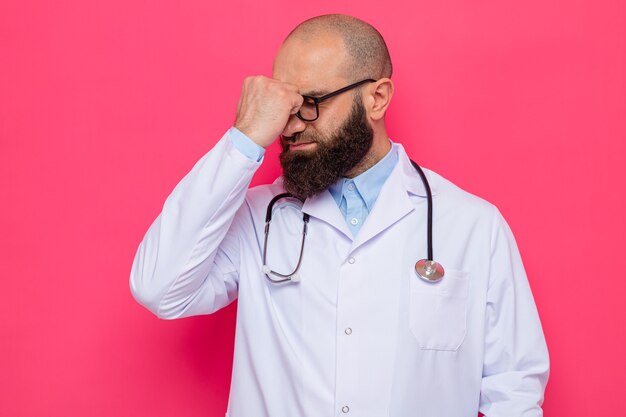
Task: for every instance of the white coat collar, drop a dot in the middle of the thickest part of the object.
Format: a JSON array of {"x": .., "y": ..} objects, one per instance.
[{"x": 411, "y": 179}]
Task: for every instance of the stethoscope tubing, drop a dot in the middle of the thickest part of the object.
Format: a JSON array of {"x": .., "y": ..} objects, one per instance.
[
  {"x": 429, "y": 215},
  {"x": 268, "y": 220},
  {"x": 427, "y": 269}
]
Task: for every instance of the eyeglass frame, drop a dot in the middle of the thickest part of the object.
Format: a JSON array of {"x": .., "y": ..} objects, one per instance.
[{"x": 318, "y": 100}]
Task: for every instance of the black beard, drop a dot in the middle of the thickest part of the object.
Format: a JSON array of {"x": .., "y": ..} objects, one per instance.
[{"x": 308, "y": 173}]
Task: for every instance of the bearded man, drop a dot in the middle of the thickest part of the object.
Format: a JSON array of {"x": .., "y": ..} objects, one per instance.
[{"x": 334, "y": 316}]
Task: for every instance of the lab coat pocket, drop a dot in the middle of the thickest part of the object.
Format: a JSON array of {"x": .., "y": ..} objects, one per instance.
[{"x": 438, "y": 312}]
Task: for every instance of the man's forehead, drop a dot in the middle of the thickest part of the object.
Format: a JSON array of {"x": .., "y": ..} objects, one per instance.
[{"x": 315, "y": 65}]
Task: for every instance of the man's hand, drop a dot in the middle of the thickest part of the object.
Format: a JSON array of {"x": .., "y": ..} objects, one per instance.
[{"x": 264, "y": 108}]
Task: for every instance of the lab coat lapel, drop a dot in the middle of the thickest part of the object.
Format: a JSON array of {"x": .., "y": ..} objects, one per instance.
[
  {"x": 323, "y": 207},
  {"x": 393, "y": 202},
  {"x": 391, "y": 205}
]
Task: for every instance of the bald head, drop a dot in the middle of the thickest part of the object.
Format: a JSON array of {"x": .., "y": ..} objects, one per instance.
[{"x": 367, "y": 55}]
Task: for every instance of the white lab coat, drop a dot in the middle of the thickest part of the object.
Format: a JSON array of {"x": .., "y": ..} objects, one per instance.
[{"x": 361, "y": 334}]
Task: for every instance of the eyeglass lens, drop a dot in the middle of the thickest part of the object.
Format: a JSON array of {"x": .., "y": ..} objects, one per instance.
[{"x": 309, "y": 110}]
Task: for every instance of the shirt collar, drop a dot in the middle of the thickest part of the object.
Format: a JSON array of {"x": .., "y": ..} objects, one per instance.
[{"x": 368, "y": 183}]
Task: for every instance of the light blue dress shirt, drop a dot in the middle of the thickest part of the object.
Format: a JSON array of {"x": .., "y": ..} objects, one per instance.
[{"x": 355, "y": 197}]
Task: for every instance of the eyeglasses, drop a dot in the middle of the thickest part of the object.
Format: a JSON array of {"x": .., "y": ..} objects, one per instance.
[{"x": 310, "y": 110}]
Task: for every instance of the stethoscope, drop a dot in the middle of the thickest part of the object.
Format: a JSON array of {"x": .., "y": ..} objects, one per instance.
[{"x": 427, "y": 269}]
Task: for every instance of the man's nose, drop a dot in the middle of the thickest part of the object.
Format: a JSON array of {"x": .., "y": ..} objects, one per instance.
[{"x": 294, "y": 125}]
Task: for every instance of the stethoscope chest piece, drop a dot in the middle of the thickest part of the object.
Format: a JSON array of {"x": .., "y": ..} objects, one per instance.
[{"x": 429, "y": 271}]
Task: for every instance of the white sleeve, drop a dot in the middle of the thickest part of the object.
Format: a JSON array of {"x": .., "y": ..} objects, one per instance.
[
  {"x": 188, "y": 261},
  {"x": 516, "y": 363}
]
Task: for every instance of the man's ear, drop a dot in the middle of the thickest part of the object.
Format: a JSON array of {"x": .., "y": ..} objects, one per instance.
[{"x": 378, "y": 98}]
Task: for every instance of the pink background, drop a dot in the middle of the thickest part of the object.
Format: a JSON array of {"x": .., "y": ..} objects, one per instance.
[{"x": 105, "y": 105}]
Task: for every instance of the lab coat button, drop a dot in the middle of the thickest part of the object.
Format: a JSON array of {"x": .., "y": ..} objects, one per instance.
[
  {"x": 351, "y": 260},
  {"x": 348, "y": 331},
  {"x": 345, "y": 409}
]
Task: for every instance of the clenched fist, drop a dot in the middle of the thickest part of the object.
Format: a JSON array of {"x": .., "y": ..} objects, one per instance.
[{"x": 264, "y": 108}]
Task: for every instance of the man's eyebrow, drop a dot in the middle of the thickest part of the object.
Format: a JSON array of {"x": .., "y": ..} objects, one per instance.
[{"x": 315, "y": 93}]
